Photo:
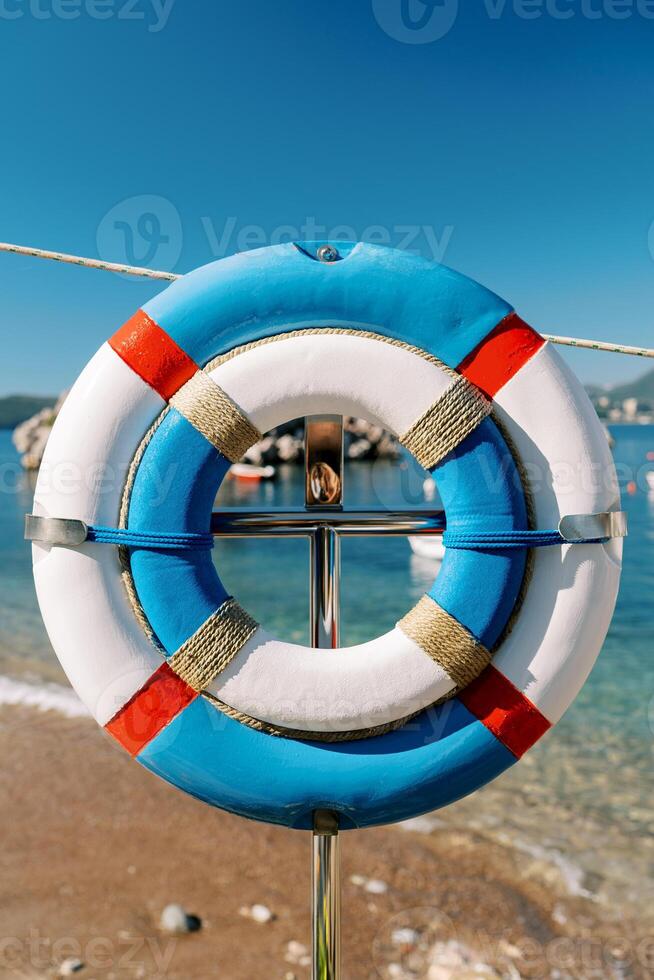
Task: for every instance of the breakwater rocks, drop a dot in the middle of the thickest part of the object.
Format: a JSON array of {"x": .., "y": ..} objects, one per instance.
[
  {"x": 285, "y": 444},
  {"x": 31, "y": 436}
]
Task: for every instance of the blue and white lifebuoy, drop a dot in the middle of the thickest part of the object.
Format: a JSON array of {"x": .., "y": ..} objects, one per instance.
[{"x": 196, "y": 690}]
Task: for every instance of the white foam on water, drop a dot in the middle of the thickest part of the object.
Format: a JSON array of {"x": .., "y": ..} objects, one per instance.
[
  {"x": 572, "y": 874},
  {"x": 45, "y": 697}
]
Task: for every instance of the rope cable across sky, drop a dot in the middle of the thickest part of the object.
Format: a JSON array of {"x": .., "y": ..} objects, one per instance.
[{"x": 134, "y": 270}]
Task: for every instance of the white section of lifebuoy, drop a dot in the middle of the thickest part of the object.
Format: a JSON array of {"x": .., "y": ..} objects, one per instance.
[
  {"x": 80, "y": 590},
  {"x": 354, "y": 687},
  {"x": 309, "y": 375},
  {"x": 571, "y": 597}
]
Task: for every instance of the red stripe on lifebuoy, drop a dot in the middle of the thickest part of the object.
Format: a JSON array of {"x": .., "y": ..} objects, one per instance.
[
  {"x": 161, "y": 699},
  {"x": 153, "y": 355},
  {"x": 505, "y": 711},
  {"x": 501, "y": 354}
]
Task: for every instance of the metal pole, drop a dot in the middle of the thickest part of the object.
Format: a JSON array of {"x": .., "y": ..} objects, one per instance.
[
  {"x": 323, "y": 455},
  {"x": 326, "y": 888},
  {"x": 325, "y": 587}
]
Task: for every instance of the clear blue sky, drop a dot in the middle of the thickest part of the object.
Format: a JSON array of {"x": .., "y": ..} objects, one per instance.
[{"x": 524, "y": 145}]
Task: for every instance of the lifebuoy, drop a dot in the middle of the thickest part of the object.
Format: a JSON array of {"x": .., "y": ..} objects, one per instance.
[{"x": 184, "y": 678}]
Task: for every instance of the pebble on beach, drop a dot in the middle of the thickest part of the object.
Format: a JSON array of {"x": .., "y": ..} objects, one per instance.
[
  {"x": 176, "y": 919},
  {"x": 258, "y": 913},
  {"x": 376, "y": 887},
  {"x": 297, "y": 953},
  {"x": 70, "y": 966}
]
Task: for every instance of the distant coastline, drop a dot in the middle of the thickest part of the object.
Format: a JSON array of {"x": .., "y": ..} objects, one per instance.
[{"x": 15, "y": 409}]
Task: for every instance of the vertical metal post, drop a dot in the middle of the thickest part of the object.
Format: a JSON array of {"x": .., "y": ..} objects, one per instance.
[
  {"x": 323, "y": 455},
  {"x": 326, "y": 888}
]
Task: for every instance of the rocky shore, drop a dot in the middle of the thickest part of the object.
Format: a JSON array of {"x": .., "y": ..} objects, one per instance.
[
  {"x": 31, "y": 436},
  {"x": 285, "y": 444}
]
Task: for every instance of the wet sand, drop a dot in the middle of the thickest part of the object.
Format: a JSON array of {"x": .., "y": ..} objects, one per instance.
[{"x": 94, "y": 847}]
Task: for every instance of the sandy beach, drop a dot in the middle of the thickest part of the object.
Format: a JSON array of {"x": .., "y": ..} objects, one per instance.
[{"x": 94, "y": 848}]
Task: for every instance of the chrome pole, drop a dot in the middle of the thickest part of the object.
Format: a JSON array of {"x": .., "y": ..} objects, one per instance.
[
  {"x": 326, "y": 887},
  {"x": 323, "y": 456}
]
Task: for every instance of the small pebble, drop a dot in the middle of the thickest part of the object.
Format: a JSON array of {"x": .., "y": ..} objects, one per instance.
[
  {"x": 177, "y": 920},
  {"x": 357, "y": 880},
  {"x": 70, "y": 966},
  {"x": 404, "y": 937},
  {"x": 261, "y": 913},
  {"x": 297, "y": 953},
  {"x": 376, "y": 887}
]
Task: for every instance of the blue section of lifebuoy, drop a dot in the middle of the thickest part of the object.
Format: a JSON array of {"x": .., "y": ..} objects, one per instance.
[
  {"x": 439, "y": 757},
  {"x": 273, "y": 290},
  {"x": 480, "y": 488},
  {"x": 445, "y": 752},
  {"x": 175, "y": 487}
]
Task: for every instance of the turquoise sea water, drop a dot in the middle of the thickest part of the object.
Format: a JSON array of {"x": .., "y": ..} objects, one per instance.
[{"x": 580, "y": 800}]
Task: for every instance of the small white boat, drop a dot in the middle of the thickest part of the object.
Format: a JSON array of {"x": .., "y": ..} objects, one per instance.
[
  {"x": 428, "y": 546},
  {"x": 251, "y": 473},
  {"x": 429, "y": 488},
  {"x": 649, "y": 476}
]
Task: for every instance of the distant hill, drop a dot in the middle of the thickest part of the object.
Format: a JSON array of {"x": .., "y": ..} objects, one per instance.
[
  {"x": 14, "y": 409},
  {"x": 642, "y": 389}
]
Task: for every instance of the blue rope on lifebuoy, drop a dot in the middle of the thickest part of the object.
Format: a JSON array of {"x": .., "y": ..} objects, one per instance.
[
  {"x": 149, "y": 539},
  {"x": 470, "y": 540},
  {"x": 510, "y": 539}
]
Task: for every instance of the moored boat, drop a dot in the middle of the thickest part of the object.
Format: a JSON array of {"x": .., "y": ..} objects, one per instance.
[
  {"x": 430, "y": 547},
  {"x": 251, "y": 473}
]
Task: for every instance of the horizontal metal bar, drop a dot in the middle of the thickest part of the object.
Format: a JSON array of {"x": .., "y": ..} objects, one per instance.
[{"x": 304, "y": 523}]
